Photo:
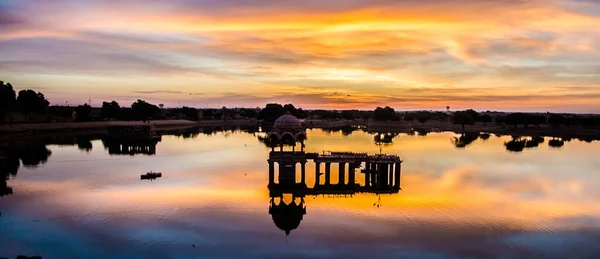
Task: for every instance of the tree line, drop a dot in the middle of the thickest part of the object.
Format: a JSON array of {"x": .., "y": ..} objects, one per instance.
[{"x": 29, "y": 102}]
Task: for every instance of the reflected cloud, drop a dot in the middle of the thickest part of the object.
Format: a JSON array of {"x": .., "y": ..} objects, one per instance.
[{"x": 476, "y": 202}]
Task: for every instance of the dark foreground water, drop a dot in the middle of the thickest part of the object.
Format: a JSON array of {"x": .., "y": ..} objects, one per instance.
[{"x": 460, "y": 198}]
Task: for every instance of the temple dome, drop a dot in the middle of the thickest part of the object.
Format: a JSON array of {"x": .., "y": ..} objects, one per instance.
[
  {"x": 289, "y": 125},
  {"x": 288, "y": 122}
]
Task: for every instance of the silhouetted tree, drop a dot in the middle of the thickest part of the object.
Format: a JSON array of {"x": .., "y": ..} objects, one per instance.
[
  {"x": 485, "y": 118},
  {"x": 271, "y": 112},
  {"x": 7, "y": 99},
  {"x": 423, "y": 117},
  {"x": 143, "y": 110},
  {"x": 463, "y": 118},
  {"x": 189, "y": 112},
  {"x": 556, "y": 120},
  {"x": 325, "y": 114},
  {"x": 348, "y": 115},
  {"x": 110, "y": 109},
  {"x": 515, "y": 119},
  {"x": 208, "y": 113},
  {"x": 248, "y": 113},
  {"x": 473, "y": 114},
  {"x": 385, "y": 114},
  {"x": 29, "y": 101},
  {"x": 82, "y": 112}
]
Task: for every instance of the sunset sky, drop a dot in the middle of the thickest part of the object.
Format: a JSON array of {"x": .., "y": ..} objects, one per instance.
[{"x": 530, "y": 55}]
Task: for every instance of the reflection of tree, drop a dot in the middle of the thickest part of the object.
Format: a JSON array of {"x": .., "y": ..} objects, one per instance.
[
  {"x": 384, "y": 139},
  {"x": 9, "y": 165},
  {"x": 465, "y": 139},
  {"x": 484, "y": 136},
  {"x": 33, "y": 155},
  {"x": 556, "y": 143},
  {"x": 346, "y": 130},
  {"x": 517, "y": 144},
  {"x": 84, "y": 143}
]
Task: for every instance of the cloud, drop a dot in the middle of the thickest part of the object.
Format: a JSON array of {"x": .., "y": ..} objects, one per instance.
[{"x": 379, "y": 50}]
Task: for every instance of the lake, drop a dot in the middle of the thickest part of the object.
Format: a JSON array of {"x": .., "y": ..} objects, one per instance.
[{"x": 468, "y": 197}]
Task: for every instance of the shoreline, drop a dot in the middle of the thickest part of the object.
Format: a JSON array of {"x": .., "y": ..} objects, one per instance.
[
  {"x": 82, "y": 128},
  {"x": 41, "y": 130}
]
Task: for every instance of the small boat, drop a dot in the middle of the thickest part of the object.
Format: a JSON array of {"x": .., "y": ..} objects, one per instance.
[{"x": 150, "y": 175}]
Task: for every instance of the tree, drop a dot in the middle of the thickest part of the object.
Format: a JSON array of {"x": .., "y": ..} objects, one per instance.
[
  {"x": 485, "y": 118},
  {"x": 423, "y": 117},
  {"x": 248, "y": 113},
  {"x": 463, "y": 118},
  {"x": 271, "y": 112},
  {"x": 347, "y": 115},
  {"x": 515, "y": 119},
  {"x": 298, "y": 113},
  {"x": 385, "y": 114},
  {"x": 31, "y": 102},
  {"x": 110, "y": 110},
  {"x": 189, "y": 112},
  {"x": 143, "y": 110},
  {"x": 556, "y": 120},
  {"x": 473, "y": 114},
  {"x": 208, "y": 113},
  {"x": 7, "y": 99},
  {"x": 82, "y": 112}
]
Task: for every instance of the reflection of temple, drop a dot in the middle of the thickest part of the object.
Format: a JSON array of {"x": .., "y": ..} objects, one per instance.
[
  {"x": 131, "y": 140},
  {"x": 130, "y": 147},
  {"x": 381, "y": 174}
]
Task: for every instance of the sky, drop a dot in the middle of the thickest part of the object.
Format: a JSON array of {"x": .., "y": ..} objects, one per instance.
[{"x": 526, "y": 55}]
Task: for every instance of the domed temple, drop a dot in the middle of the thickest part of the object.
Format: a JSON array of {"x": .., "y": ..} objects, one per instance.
[{"x": 287, "y": 130}]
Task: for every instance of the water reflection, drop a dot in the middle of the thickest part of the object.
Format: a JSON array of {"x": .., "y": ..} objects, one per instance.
[
  {"x": 382, "y": 175},
  {"x": 465, "y": 139},
  {"x": 517, "y": 144},
  {"x": 475, "y": 202},
  {"x": 131, "y": 148}
]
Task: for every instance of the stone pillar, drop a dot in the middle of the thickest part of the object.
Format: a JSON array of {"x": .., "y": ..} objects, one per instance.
[
  {"x": 380, "y": 175},
  {"x": 342, "y": 173},
  {"x": 317, "y": 173},
  {"x": 303, "y": 172},
  {"x": 271, "y": 172},
  {"x": 397, "y": 174},
  {"x": 327, "y": 173},
  {"x": 367, "y": 174},
  {"x": 352, "y": 174},
  {"x": 374, "y": 174}
]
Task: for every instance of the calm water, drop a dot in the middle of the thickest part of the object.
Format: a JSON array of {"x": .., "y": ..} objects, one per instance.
[{"x": 479, "y": 201}]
